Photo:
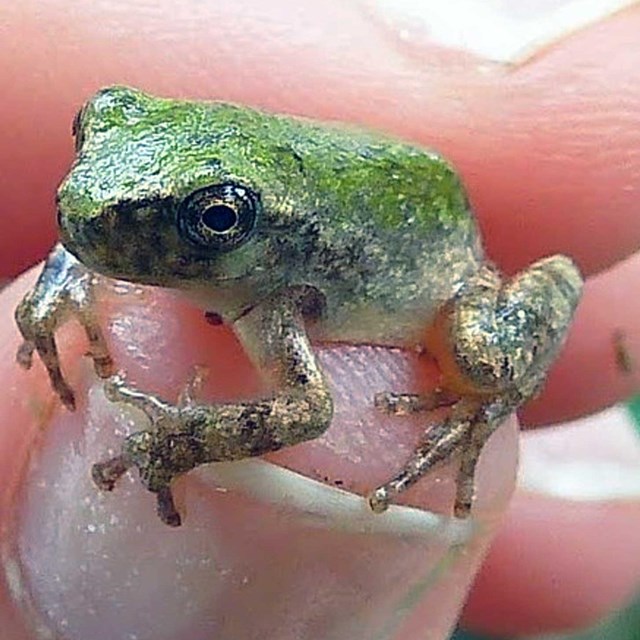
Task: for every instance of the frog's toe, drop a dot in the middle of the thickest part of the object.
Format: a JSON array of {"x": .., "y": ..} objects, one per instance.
[
  {"x": 103, "y": 365},
  {"x": 462, "y": 510},
  {"x": 117, "y": 389},
  {"x": 387, "y": 402},
  {"x": 66, "y": 395},
  {"x": 166, "y": 508},
  {"x": 402, "y": 404},
  {"x": 106, "y": 474},
  {"x": 379, "y": 500},
  {"x": 135, "y": 453},
  {"x": 197, "y": 378},
  {"x": 113, "y": 387},
  {"x": 24, "y": 355},
  {"x": 98, "y": 350}
]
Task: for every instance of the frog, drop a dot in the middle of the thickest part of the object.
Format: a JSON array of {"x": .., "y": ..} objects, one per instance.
[{"x": 295, "y": 232}]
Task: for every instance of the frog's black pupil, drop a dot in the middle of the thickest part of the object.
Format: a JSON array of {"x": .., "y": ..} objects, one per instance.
[{"x": 220, "y": 218}]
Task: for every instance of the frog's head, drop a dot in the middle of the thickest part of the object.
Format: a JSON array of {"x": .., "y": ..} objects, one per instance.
[{"x": 176, "y": 193}]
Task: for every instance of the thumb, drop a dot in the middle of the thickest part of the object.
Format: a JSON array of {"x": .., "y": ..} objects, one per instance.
[{"x": 284, "y": 548}]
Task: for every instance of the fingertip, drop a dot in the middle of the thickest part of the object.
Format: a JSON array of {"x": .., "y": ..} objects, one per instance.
[{"x": 246, "y": 524}]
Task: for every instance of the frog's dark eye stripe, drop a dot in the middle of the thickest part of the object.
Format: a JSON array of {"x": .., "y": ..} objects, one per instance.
[{"x": 219, "y": 216}]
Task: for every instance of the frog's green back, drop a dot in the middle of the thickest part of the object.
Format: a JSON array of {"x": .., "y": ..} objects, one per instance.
[
  {"x": 347, "y": 169},
  {"x": 357, "y": 171},
  {"x": 381, "y": 227}
]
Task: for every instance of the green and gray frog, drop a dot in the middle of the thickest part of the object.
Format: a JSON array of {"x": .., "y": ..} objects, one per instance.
[{"x": 293, "y": 231}]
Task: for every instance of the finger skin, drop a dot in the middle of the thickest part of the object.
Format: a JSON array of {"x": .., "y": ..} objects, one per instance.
[
  {"x": 147, "y": 330},
  {"x": 584, "y": 185},
  {"x": 556, "y": 565},
  {"x": 547, "y": 148}
]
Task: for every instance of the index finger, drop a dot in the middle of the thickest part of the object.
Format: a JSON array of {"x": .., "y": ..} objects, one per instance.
[{"x": 546, "y": 148}]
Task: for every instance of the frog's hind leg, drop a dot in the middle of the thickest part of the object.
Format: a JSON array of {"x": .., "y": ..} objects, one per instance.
[{"x": 494, "y": 344}]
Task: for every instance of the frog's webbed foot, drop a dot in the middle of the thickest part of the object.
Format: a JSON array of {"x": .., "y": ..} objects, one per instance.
[
  {"x": 160, "y": 453},
  {"x": 65, "y": 288},
  {"x": 462, "y": 434}
]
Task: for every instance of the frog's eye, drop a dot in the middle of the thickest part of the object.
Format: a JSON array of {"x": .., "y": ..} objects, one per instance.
[{"x": 219, "y": 216}]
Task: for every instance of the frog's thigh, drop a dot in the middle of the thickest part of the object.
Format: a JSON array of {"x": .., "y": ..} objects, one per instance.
[{"x": 501, "y": 338}]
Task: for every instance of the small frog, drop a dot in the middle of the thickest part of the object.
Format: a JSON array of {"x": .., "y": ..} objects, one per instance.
[{"x": 290, "y": 228}]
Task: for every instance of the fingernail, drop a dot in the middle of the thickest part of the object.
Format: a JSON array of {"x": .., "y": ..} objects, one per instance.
[
  {"x": 592, "y": 459},
  {"x": 499, "y": 31}
]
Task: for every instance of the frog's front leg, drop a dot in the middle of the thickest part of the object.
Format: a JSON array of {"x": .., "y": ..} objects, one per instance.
[
  {"x": 187, "y": 435},
  {"x": 494, "y": 344},
  {"x": 65, "y": 288}
]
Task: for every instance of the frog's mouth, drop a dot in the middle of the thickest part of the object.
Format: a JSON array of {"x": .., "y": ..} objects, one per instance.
[
  {"x": 187, "y": 267},
  {"x": 153, "y": 266}
]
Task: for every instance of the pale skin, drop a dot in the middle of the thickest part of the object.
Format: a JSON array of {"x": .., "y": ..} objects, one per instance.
[{"x": 219, "y": 233}]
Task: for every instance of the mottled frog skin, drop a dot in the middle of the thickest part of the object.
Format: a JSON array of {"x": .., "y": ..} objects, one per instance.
[{"x": 290, "y": 228}]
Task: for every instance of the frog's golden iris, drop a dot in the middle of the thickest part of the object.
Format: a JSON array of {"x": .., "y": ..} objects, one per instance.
[{"x": 218, "y": 217}]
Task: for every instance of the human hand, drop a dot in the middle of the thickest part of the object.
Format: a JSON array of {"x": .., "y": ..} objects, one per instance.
[{"x": 537, "y": 175}]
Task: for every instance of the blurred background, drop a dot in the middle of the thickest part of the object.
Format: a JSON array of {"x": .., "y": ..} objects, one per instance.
[{"x": 624, "y": 624}]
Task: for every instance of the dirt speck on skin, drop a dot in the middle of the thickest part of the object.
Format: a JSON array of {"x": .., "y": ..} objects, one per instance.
[{"x": 624, "y": 361}]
